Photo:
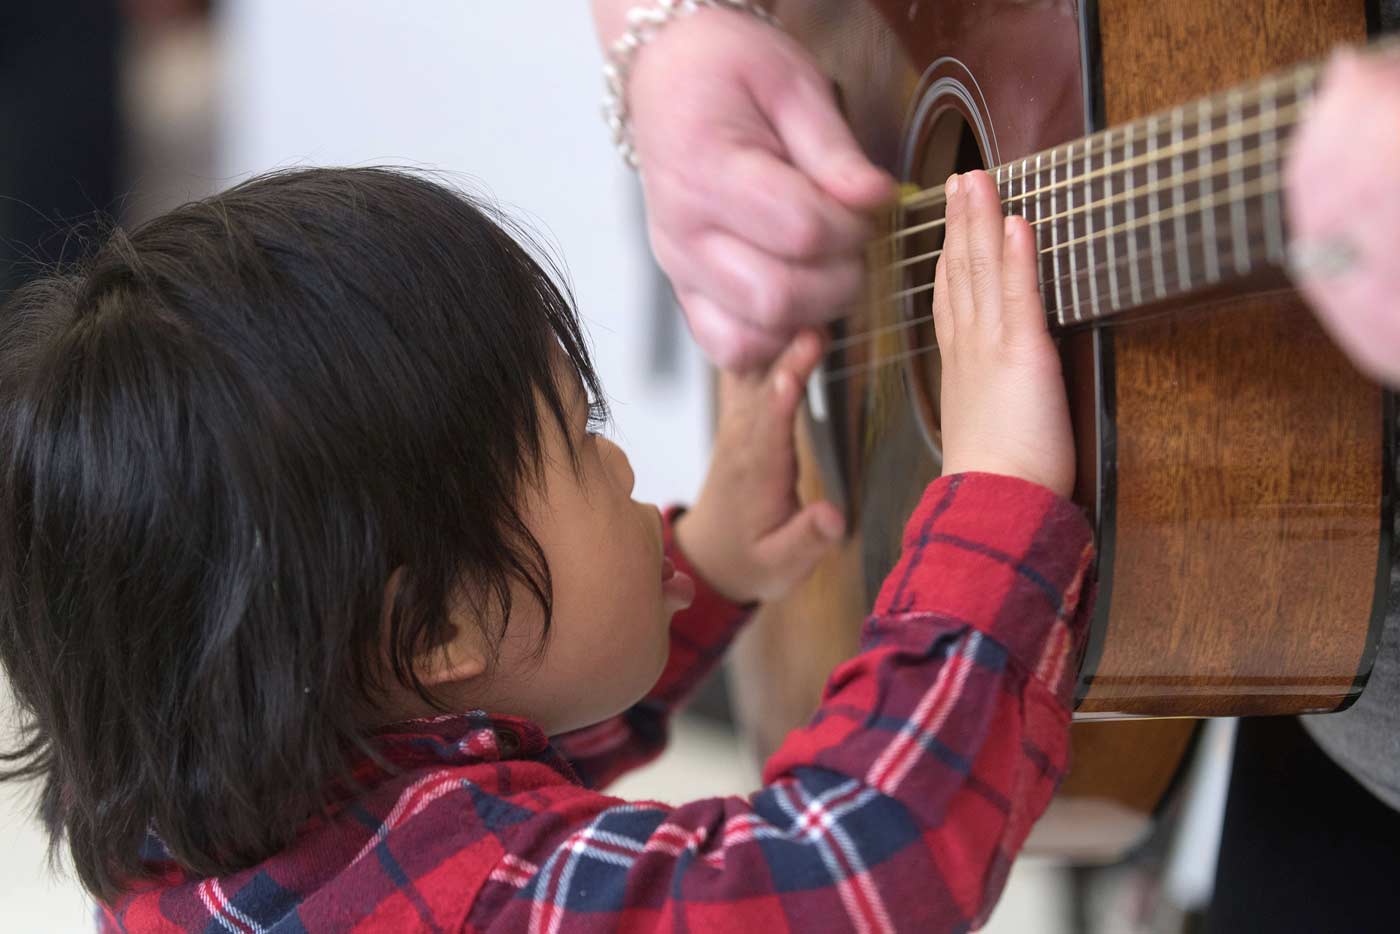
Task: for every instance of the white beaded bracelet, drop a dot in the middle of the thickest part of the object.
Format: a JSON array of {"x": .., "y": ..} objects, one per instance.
[{"x": 643, "y": 24}]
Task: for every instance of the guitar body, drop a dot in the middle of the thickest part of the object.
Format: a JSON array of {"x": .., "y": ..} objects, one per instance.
[{"x": 1232, "y": 461}]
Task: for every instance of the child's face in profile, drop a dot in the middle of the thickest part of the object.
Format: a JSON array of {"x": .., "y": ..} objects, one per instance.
[{"x": 614, "y": 593}]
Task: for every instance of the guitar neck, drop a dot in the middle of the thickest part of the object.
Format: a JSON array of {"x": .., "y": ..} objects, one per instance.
[{"x": 1146, "y": 212}]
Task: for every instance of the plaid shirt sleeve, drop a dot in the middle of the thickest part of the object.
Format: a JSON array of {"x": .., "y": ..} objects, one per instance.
[
  {"x": 903, "y": 802},
  {"x": 700, "y": 634}
]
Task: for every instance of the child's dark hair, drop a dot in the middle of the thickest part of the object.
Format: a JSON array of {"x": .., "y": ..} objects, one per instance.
[{"x": 218, "y": 439}]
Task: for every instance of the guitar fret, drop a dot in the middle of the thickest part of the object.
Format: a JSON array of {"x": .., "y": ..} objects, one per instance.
[
  {"x": 1154, "y": 229},
  {"x": 1204, "y": 124},
  {"x": 1009, "y": 197},
  {"x": 1108, "y": 221},
  {"x": 1238, "y": 219},
  {"x": 1025, "y": 212},
  {"x": 1054, "y": 239},
  {"x": 1069, "y": 220},
  {"x": 1134, "y": 274},
  {"x": 1025, "y": 203},
  {"x": 1183, "y": 255},
  {"x": 1070, "y": 235},
  {"x": 1089, "y": 229}
]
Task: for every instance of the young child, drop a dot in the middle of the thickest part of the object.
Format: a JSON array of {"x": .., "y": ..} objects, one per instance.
[{"x": 326, "y": 609}]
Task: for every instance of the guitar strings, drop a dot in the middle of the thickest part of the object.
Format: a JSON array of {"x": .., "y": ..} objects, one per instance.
[
  {"x": 1226, "y": 197},
  {"x": 852, "y": 370},
  {"x": 1254, "y": 227},
  {"x": 1272, "y": 121},
  {"x": 1265, "y": 154},
  {"x": 1265, "y": 184},
  {"x": 1226, "y": 167},
  {"x": 1226, "y": 103},
  {"x": 1301, "y": 81},
  {"x": 1222, "y": 104},
  {"x": 1210, "y": 170}
]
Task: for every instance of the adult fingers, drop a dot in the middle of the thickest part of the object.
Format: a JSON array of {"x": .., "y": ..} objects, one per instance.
[
  {"x": 801, "y": 107},
  {"x": 772, "y": 205},
  {"x": 774, "y": 295},
  {"x": 727, "y": 339}
]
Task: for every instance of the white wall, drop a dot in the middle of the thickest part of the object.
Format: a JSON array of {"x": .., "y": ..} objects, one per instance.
[{"x": 503, "y": 96}]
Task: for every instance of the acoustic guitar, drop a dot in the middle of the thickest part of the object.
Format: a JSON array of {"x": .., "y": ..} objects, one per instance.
[{"x": 1232, "y": 461}]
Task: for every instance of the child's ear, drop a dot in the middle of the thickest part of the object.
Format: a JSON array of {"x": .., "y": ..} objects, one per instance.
[
  {"x": 453, "y": 662},
  {"x": 460, "y": 658}
]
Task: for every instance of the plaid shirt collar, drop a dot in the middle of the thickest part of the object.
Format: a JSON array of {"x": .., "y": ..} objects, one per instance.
[
  {"x": 472, "y": 738},
  {"x": 460, "y": 739}
]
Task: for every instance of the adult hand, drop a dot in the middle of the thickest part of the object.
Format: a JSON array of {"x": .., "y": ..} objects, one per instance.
[
  {"x": 1343, "y": 184},
  {"x": 759, "y": 200}
]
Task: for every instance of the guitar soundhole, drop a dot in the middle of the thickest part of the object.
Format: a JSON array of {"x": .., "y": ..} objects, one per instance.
[{"x": 947, "y": 146}]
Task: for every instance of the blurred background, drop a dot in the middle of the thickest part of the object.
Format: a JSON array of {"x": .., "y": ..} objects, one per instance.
[{"x": 129, "y": 108}]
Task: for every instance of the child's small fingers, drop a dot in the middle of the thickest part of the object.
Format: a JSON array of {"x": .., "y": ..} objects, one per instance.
[
  {"x": 737, "y": 393},
  {"x": 771, "y": 430},
  {"x": 794, "y": 549},
  {"x": 943, "y": 328},
  {"x": 957, "y": 282},
  {"x": 790, "y": 373},
  {"x": 981, "y": 209},
  {"x": 1022, "y": 308},
  {"x": 801, "y": 355}
]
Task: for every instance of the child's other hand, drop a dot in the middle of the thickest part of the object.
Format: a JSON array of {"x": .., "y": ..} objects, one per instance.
[
  {"x": 1003, "y": 406},
  {"x": 747, "y": 534}
]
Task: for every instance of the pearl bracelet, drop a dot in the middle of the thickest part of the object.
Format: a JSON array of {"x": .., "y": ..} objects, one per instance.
[{"x": 643, "y": 24}]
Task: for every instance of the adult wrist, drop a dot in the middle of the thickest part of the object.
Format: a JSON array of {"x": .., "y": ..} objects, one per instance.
[{"x": 642, "y": 24}]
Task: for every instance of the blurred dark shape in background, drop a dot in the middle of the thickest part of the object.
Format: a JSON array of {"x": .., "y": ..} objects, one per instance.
[{"x": 63, "y": 126}]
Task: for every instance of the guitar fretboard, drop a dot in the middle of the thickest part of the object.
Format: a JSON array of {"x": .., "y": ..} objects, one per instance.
[{"x": 1160, "y": 207}]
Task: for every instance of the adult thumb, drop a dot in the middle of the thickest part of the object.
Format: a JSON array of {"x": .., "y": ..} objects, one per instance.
[{"x": 802, "y": 109}]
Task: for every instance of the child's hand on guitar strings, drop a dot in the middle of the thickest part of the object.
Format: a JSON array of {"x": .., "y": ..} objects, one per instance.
[
  {"x": 759, "y": 200},
  {"x": 1003, "y": 408},
  {"x": 748, "y": 534}
]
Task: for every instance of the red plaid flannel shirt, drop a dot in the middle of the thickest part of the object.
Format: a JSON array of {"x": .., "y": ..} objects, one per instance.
[{"x": 898, "y": 808}]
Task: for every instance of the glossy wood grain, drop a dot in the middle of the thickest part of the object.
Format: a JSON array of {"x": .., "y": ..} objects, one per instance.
[{"x": 1246, "y": 518}]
